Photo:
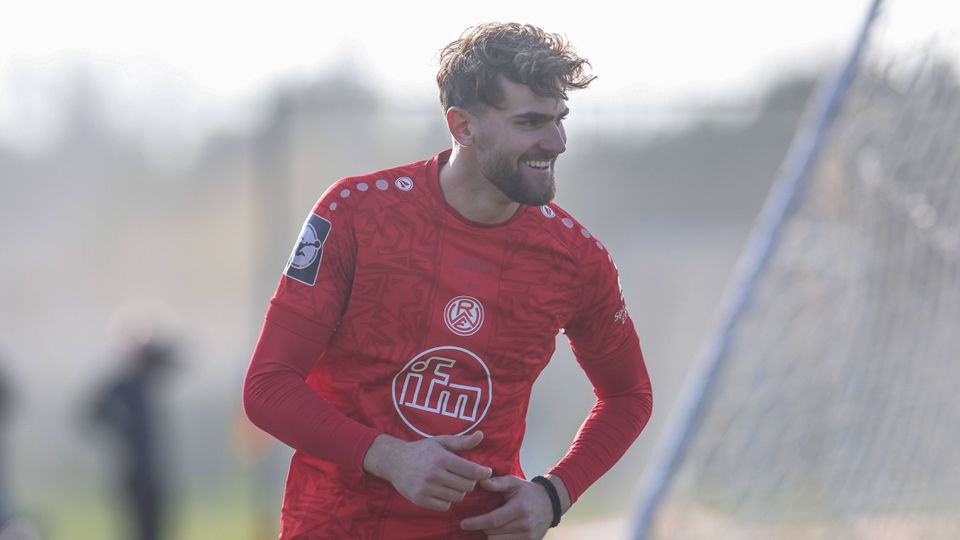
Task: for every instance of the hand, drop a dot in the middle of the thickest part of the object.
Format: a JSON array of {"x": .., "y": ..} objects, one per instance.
[
  {"x": 527, "y": 513},
  {"x": 427, "y": 472}
]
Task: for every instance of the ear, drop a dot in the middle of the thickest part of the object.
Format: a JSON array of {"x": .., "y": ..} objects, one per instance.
[{"x": 461, "y": 124}]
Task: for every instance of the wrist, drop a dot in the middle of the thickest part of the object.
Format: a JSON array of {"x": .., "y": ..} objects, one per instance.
[
  {"x": 376, "y": 460},
  {"x": 562, "y": 492},
  {"x": 553, "y": 497}
]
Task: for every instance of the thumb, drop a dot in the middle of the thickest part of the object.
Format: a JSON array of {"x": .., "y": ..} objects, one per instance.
[
  {"x": 499, "y": 483},
  {"x": 459, "y": 443}
]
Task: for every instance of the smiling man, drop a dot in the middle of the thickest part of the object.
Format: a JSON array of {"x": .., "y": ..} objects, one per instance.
[{"x": 421, "y": 303}]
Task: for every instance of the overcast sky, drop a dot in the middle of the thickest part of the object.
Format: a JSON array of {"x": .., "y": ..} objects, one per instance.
[{"x": 207, "y": 61}]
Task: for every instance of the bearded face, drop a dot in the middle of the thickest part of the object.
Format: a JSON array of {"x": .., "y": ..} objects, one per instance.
[
  {"x": 526, "y": 179},
  {"x": 517, "y": 144}
]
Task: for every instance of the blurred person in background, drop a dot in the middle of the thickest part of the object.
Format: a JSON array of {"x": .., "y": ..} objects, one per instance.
[
  {"x": 127, "y": 406},
  {"x": 420, "y": 304},
  {"x": 6, "y": 505},
  {"x": 13, "y": 525}
]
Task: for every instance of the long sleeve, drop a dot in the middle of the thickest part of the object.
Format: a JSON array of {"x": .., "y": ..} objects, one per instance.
[
  {"x": 309, "y": 302},
  {"x": 607, "y": 347},
  {"x": 278, "y": 400},
  {"x": 623, "y": 407}
]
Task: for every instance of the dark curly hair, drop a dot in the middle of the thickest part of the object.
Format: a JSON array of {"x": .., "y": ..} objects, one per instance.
[{"x": 470, "y": 67}]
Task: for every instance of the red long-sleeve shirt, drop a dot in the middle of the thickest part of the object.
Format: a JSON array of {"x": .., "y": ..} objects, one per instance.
[{"x": 397, "y": 315}]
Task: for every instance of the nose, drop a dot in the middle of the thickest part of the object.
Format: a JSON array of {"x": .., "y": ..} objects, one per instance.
[{"x": 555, "y": 140}]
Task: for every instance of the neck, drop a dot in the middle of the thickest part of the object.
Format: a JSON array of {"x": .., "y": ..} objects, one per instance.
[{"x": 470, "y": 193}]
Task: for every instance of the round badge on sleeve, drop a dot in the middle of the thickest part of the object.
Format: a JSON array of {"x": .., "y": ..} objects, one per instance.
[{"x": 404, "y": 183}]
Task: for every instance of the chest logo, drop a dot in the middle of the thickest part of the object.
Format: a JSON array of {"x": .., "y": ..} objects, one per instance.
[
  {"x": 443, "y": 391},
  {"x": 463, "y": 315}
]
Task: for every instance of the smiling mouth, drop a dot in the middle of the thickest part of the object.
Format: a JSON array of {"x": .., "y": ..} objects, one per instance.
[{"x": 539, "y": 165}]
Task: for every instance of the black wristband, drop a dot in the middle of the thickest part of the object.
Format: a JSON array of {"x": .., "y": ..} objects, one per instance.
[{"x": 554, "y": 498}]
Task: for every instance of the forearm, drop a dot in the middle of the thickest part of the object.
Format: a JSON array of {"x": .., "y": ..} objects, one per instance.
[
  {"x": 609, "y": 430},
  {"x": 277, "y": 399},
  {"x": 623, "y": 407}
]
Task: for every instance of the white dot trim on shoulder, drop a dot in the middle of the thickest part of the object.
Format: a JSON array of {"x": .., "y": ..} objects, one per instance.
[
  {"x": 567, "y": 222},
  {"x": 585, "y": 233},
  {"x": 344, "y": 194},
  {"x": 333, "y": 206},
  {"x": 362, "y": 186},
  {"x": 383, "y": 185},
  {"x": 547, "y": 211},
  {"x": 599, "y": 245}
]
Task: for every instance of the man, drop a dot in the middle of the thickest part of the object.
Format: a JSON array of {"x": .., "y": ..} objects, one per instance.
[
  {"x": 127, "y": 405},
  {"x": 419, "y": 306}
]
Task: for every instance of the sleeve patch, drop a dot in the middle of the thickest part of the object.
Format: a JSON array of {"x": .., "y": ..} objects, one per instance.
[{"x": 304, "y": 263}]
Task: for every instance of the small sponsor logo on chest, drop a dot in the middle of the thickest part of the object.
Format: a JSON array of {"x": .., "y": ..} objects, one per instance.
[{"x": 473, "y": 265}]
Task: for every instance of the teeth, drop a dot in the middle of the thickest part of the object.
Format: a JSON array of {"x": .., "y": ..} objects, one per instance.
[{"x": 538, "y": 164}]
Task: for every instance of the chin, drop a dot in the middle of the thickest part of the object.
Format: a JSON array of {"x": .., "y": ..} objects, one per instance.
[
  {"x": 534, "y": 199},
  {"x": 522, "y": 189}
]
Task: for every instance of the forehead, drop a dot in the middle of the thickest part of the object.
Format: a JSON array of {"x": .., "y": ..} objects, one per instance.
[{"x": 519, "y": 98}]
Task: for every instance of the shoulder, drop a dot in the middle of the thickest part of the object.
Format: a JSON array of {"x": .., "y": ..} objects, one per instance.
[
  {"x": 373, "y": 191},
  {"x": 571, "y": 235}
]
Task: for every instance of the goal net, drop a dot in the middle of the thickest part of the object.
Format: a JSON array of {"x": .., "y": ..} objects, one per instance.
[{"x": 834, "y": 410}]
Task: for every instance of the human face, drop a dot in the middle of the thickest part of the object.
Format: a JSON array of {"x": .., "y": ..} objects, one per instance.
[{"x": 518, "y": 141}]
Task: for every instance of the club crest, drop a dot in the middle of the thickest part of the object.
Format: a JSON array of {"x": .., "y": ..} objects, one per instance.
[{"x": 463, "y": 315}]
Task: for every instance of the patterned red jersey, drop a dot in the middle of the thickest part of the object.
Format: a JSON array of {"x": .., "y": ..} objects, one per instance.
[{"x": 440, "y": 326}]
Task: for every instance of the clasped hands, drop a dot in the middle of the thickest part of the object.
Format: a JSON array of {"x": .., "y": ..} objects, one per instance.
[{"x": 429, "y": 473}]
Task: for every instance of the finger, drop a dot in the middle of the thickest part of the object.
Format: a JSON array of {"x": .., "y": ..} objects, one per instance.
[
  {"x": 455, "y": 481},
  {"x": 433, "y": 503},
  {"x": 466, "y": 468},
  {"x": 501, "y": 483},
  {"x": 446, "y": 494},
  {"x": 460, "y": 443},
  {"x": 491, "y": 520}
]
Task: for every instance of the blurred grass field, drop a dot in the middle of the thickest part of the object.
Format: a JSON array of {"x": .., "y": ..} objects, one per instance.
[{"x": 230, "y": 513}]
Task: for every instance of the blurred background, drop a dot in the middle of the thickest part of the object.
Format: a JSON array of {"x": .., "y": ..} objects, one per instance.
[{"x": 157, "y": 161}]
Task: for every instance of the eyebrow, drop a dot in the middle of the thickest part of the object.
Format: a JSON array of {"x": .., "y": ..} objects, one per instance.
[{"x": 539, "y": 117}]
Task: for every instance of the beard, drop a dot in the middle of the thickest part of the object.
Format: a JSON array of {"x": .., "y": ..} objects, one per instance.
[{"x": 508, "y": 176}]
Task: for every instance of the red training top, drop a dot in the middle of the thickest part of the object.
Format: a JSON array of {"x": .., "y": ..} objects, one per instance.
[{"x": 398, "y": 315}]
